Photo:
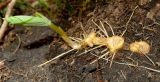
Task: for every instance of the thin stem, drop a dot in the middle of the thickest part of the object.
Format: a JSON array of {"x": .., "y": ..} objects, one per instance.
[
  {"x": 55, "y": 58},
  {"x": 64, "y": 36}
]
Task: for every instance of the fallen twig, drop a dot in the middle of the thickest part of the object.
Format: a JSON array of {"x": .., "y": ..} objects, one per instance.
[{"x": 4, "y": 24}]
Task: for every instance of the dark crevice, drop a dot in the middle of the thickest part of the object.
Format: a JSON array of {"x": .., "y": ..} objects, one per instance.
[{"x": 39, "y": 43}]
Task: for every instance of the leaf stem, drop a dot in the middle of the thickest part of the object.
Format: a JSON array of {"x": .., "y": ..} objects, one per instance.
[{"x": 64, "y": 36}]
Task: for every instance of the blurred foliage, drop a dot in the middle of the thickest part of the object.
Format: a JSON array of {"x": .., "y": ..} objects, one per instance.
[
  {"x": 64, "y": 5},
  {"x": 2, "y": 0},
  {"x": 2, "y": 11},
  {"x": 20, "y": 4},
  {"x": 72, "y": 6},
  {"x": 69, "y": 8},
  {"x": 43, "y": 3},
  {"x": 53, "y": 9}
]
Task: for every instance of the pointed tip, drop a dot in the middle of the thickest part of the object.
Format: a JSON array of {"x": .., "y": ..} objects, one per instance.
[{"x": 111, "y": 61}]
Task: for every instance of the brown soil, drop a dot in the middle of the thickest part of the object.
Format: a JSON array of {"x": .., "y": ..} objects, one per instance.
[{"x": 40, "y": 44}]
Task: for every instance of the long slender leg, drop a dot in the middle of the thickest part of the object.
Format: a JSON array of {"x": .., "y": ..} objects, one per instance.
[
  {"x": 76, "y": 39},
  {"x": 129, "y": 21},
  {"x": 90, "y": 50},
  {"x": 99, "y": 33},
  {"x": 112, "y": 59},
  {"x": 129, "y": 64},
  {"x": 149, "y": 59},
  {"x": 104, "y": 50},
  {"x": 100, "y": 57},
  {"x": 104, "y": 29},
  {"x": 85, "y": 34},
  {"x": 99, "y": 27},
  {"x": 110, "y": 27},
  {"x": 55, "y": 58}
]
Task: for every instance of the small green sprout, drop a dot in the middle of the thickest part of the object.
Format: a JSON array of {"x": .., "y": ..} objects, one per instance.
[{"x": 40, "y": 20}]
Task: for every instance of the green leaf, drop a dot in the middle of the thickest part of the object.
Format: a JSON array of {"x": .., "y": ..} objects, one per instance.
[
  {"x": 28, "y": 20},
  {"x": 37, "y": 14},
  {"x": 40, "y": 20}
]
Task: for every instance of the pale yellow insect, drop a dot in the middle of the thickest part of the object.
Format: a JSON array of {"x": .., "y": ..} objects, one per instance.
[
  {"x": 140, "y": 47},
  {"x": 114, "y": 42}
]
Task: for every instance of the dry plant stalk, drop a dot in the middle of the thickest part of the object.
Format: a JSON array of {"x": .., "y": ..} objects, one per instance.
[{"x": 4, "y": 24}]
